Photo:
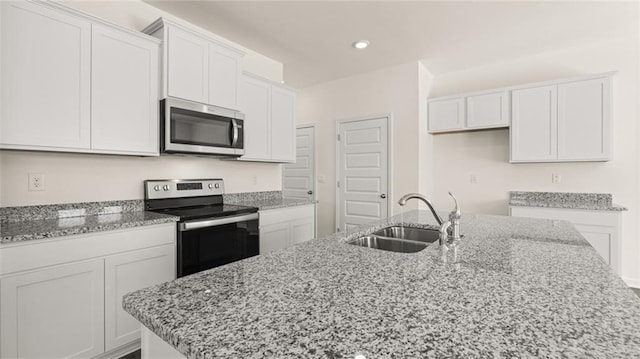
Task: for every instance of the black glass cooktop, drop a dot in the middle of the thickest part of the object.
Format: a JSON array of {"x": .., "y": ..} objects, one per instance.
[{"x": 208, "y": 211}]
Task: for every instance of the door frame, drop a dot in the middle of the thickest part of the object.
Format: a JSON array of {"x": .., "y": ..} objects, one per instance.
[{"x": 390, "y": 198}]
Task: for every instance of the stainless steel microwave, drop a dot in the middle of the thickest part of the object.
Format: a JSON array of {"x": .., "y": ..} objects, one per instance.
[{"x": 199, "y": 129}]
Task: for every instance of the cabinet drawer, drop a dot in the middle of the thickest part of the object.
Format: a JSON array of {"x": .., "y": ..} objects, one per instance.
[
  {"x": 41, "y": 253},
  {"x": 278, "y": 215}
]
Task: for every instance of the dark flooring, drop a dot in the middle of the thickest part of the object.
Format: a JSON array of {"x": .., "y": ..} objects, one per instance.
[{"x": 136, "y": 354}]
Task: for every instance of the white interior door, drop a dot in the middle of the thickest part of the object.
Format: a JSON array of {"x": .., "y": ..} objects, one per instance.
[
  {"x": 298, "y": 179},
  {"x": 362, "y": 172}
]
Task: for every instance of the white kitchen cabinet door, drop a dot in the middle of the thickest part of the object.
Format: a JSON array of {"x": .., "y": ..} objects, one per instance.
[
  {"x": 56, "y": 312},
  {"x": 126, "y": 273},
  {"x": 446, "y": 114},
  {"x": 584, "y": 120},
  {"x": 46, "y": 74},
  {"x": 283, "y": 124},
  {"x": 274, "y": 237},
  {"x": 283, "y": 227},
  {"x": 225, "y": 71},
  {"x": 187, "y": 65},
  {"x": 488, "y": 110},
  {"x": 269, "y": 125},
  {"x": 534, "y": 124},
  {"x": 124, "y": 93},
  {"x": 302, "y": 230},
  {"x": 255, "y": 103}
]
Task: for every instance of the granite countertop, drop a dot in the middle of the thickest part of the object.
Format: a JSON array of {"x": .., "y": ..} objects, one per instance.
[
  {"x": 518, "y": 287},
  {"x": 569, "y": 200},
  {"x": 48, "y": 221},
  {"x": 264, "y": 200},
  {"x": 273, "y": 203}
]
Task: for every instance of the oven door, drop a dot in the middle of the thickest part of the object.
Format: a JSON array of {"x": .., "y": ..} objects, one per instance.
[
  {"x": 190, "y": 127},
  {"x": 210, "y": 243}
]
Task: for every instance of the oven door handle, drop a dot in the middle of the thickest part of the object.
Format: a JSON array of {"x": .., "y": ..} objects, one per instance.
[{"x": 188, "y": 226}]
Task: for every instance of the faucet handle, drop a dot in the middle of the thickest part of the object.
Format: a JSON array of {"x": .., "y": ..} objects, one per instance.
[{"x": 455, "y": 214}]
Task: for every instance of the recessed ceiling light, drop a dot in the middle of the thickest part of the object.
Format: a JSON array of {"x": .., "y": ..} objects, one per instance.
[{"x": 361, "y": 44}]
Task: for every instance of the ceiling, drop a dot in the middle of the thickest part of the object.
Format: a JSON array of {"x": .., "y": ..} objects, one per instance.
[{"x": 313, "y": 38}]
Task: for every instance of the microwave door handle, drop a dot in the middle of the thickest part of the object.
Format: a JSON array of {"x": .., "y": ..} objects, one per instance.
[{"x": 234, "y": 139}]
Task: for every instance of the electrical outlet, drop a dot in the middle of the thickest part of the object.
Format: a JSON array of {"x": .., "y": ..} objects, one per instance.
[
  {"x": 321, "y": 178},
  {"x": 255, "y": 179},
  {"x": 473, "y": 179},
  {"x": 36, "y": 182},
  {"x": 555, "y": 178}
]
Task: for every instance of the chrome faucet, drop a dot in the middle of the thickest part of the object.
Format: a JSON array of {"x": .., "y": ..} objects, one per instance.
[
  {"x": 449, "y": 230},
  {"x": 403, "y": 200}
]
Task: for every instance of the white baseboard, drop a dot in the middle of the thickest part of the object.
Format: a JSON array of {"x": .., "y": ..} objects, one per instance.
[{"x": 632, "y": 282}]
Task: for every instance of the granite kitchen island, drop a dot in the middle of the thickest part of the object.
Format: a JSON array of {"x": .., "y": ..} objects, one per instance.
[{"x": 517, "y": 288}]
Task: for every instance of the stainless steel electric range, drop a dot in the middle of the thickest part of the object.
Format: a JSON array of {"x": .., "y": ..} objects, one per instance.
[{"x": 210, "y": 233}]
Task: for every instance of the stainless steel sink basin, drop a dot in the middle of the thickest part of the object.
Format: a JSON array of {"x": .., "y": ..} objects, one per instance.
[
  {"x": 413, "y": 234},
  {"x": 389, "y": 244},
  {"x": 398, "y": 239}
]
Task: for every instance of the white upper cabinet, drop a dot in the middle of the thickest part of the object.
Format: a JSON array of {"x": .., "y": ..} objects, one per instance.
[
  {"x": 469, "y": 112},
  {"x": 187, "y": 66},
  {"x": 283, "y": 126},
  {"x": 197, "y": 67},
  {"x": 118, "y": 59},
  {"x": 563, "y": 122},
  {"x": 255, "y": 102},
  {"x": 269, "y": 124},
  {"x": 225, "y": 71},
  {"x": 446, "y": 114},
  {"x": 46, "y": 74},
  {"x": 74, "y": 83},
  {"x": 533, "y": 126},
  {"x": 488, "y": 110},
  {"x": 584, "y": 120}
]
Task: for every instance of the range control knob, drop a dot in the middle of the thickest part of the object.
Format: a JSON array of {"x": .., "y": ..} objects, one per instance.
[
  {"x": 217, "y": 185},
  {"x": 156, "y": 188},
  {"x": 165, "y": 187},
  {"x": 210, "y": 185}
]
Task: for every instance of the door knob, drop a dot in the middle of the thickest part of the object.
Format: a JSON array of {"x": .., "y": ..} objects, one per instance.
[
  {"x": 309, "y": 192},
  {"x": 383, "y": 196}
]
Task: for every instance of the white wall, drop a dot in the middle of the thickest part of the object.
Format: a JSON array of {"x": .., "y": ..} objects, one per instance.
[
  {"x": 81, "y": 177},
  {"x": 486, "y": 154},
  {"x": 393, "y": 90}
]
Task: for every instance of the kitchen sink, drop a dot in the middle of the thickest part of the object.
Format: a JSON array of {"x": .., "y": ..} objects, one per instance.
[
  {"x": 409, "y": 233},
  {"x": 398, "y": 239}
]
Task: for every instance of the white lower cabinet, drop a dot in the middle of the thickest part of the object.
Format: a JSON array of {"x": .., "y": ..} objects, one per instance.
[
  {"x": 600, "y": 228},
  {"x": 56, "y": 312},
  {"x": 62, "y": 297},
  {"x": 283, "y": 227},
  {"x": 126, "y": 273}
]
